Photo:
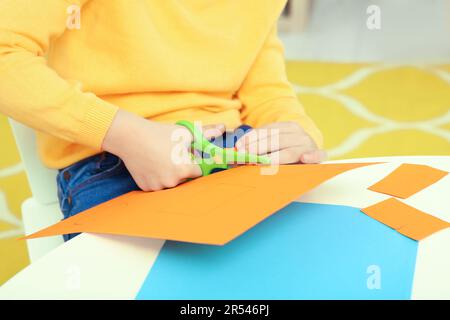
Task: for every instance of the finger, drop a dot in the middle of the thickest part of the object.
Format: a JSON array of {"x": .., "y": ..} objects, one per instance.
[
  {"x": 191, "y": 171},
  {"x": 182, "y": 135},
  {"x": 154, "y": 186},
  {"x": 185, "y": 172},
  {"x": 214, "y": 130},
  {"x": 281, "y": 141},
  {"x": 141, "y": 182},
  {"x": 268, "y": 132},
  {"x": 289, "y": 155},
  {"x": 285, "y": 127},
  {"x": 253, "y": 136},
  {"x": 316, "y": 156},
  {"x": 285, "y": 156}
]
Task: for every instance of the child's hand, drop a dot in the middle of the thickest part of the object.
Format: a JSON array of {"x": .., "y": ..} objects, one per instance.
[
  {"x": 147, "y": 149},
  {"x": 283, "y": 142}
]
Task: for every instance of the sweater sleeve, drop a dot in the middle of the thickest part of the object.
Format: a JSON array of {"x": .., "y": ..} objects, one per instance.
[
  {"x": 266, "y": 94},
  {"x": 33, "y": 93}
]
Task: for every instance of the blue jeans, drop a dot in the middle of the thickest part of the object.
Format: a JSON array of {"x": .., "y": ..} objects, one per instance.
[{"x": 91, "y": 182}]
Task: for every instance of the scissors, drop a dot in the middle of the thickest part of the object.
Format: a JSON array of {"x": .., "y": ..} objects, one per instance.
[{"x": 213, "y": 157}]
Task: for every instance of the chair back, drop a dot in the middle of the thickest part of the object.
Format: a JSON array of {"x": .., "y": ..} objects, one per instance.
[{"x": 41, "y": 179}]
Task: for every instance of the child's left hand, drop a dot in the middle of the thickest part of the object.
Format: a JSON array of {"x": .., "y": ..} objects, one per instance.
[{"x": 283, "y": 142}]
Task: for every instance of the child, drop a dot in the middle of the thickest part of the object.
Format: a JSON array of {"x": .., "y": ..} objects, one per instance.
[{"x": 103, "y": 93}]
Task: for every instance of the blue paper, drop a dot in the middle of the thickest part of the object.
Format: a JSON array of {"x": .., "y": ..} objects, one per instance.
[{"x": 304, "y": 251}]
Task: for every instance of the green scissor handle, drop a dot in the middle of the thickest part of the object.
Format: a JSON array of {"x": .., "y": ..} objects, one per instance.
[{"x": 226, "y": 156}]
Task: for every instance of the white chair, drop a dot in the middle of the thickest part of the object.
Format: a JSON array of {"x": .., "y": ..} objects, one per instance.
[
  {"x": 295, "y": 16},
  {"x": 42, "y": 209}
]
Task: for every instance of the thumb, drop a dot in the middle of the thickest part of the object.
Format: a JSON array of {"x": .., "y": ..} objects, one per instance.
[
  {"x": 316, "y": 156},
  {"x": 213, "y": 130}
]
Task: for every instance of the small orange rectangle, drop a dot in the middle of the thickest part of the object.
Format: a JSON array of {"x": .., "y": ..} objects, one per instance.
[
  {"x": 387, "y": 213},
  {"x": 407, "y": 180},
  {"x": 407, "y": 220}
]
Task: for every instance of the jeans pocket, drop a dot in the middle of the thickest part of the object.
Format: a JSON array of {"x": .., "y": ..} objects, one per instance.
[
  {"x": 108, "y": 165},
  {"x": 74, "y": 179}
]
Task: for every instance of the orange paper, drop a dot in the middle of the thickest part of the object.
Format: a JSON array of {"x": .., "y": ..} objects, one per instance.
[
  {"x": 407, "y": 220},
  {"x": 407, "y": 180},
  {"x": 212, "y": 210}
]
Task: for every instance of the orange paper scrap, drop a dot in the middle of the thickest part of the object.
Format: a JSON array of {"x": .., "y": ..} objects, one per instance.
[
  {"x": 212, "y": 210},
  {"x": 407, "y": 220},
  {"x": 407, "y": 180}
]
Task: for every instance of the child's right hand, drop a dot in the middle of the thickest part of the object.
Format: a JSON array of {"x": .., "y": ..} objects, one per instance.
[{"x": 146, "y": 147}]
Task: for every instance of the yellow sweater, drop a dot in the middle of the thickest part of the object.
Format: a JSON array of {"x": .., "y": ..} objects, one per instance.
[{"x": 215, "y": 61}]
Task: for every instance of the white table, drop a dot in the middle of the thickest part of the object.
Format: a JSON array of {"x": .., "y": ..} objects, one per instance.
[{"x": 94, "y": 266}]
